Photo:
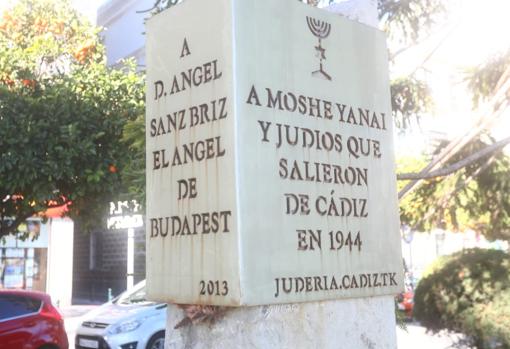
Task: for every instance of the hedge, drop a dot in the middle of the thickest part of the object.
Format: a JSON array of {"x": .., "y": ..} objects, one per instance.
[{"x": 467, "y": 292}]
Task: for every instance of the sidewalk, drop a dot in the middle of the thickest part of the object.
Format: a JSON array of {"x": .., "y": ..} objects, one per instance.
[
  {"x": 76, "y": 310},
  {"x": 417, "y": 337}
]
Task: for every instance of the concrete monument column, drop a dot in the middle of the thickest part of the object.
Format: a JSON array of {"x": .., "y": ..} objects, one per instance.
[{"x": 361, "y": 323}]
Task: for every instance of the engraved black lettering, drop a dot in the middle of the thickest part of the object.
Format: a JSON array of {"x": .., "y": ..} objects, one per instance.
[
  {"x": 185, "y": 49},
  {"x": 159, "y": 89},
  {"x": 264, "y": 125},
  {"x": 253, "y": 95}
]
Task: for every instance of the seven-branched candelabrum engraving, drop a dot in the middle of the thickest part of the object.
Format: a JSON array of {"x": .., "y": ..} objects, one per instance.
[{"x": 321, "y": 30}]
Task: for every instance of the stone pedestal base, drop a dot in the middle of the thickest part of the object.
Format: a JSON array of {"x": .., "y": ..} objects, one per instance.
[{"x": 347, "y": 324}]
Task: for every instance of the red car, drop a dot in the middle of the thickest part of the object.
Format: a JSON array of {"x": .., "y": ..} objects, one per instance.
[
  {"x": 28, "y": 320},
  {"x": 405, "y": 303}
]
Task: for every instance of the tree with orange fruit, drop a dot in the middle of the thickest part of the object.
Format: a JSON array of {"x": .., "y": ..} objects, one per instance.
[{"x": 62, "y": 115}]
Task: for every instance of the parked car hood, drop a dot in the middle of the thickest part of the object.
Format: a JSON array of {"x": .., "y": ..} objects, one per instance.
[{"x": 111, "y": 313}]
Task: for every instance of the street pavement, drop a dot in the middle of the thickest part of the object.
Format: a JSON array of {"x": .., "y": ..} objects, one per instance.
[
  {"x": 73, "y": 316},
  {"x": 414, "y": 337},
  {"x": 417, "y": 337}
]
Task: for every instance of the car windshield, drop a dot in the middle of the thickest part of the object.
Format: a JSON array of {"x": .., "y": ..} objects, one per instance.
[{"x": 132, "y": 297}]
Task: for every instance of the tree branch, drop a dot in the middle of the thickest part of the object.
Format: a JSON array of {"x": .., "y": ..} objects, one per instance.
[
  {"x": 444, "y": 200},
  {"x": 492, "y": 111},
  {"x": 489, "y": 150},
  {"x": 157, "y": 4},
  {"x": 434, "y": 50}
]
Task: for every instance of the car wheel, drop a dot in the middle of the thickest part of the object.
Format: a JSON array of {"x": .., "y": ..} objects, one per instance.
[{"x": 157, "y": 341}]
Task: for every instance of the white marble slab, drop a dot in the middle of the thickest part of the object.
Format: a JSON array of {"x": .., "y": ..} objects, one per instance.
[{"x": 270, "y": 165}]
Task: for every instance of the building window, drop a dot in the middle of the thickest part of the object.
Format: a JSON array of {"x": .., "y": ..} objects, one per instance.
[{"x": 23, "y": 268}]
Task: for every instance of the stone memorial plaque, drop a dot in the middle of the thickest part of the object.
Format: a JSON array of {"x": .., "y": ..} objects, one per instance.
[{"x": 270, "y": 159}]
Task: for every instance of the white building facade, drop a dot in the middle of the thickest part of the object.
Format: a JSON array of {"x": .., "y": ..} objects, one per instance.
[
  {"x": 124, "y": 27},
  {"x": 43, "y": 261}
]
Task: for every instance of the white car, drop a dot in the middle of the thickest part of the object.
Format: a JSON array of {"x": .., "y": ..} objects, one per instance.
[{"x": 127, "y": 322}]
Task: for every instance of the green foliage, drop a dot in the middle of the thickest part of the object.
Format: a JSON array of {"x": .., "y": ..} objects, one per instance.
[
  {"x": 133, "y": 175},
  {"x": 471, "y": 198},
  {"x": 460, "y": 288},
  {"x": 490, "y": 322},
  {"x": 410, "y": 99},
  {"x": 482, "y": 79},
  {"x": 41, "y": 38},
  {"x": 407, "y": 20},
  {"x": 491, "y": 208},
  {"x": 62, "y": 114}
]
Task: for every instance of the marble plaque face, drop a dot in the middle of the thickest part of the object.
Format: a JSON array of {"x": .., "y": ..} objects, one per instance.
[{"x": 270, "y": 165}]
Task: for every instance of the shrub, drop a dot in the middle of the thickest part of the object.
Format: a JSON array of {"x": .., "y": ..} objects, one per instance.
[
  {"x": 489, "y": 324},
  {"x": 460, "y": 293}
]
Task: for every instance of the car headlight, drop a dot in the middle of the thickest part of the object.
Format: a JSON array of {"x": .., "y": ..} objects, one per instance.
[{"x": 126, "y": 326}]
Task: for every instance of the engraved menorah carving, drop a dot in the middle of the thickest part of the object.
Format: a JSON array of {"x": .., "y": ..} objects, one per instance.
[{"x": 321, "y": 30}]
